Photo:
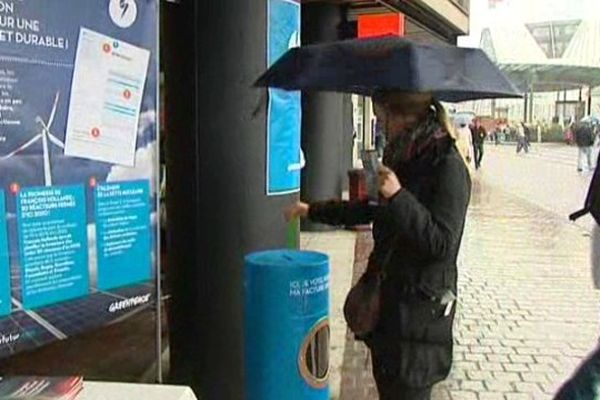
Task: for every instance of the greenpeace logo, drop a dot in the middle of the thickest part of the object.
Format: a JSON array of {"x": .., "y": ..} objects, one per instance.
[{"x": 129, "y": 303}]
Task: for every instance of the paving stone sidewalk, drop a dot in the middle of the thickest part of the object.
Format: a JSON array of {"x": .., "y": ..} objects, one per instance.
[{"x": 528, "y": 313}]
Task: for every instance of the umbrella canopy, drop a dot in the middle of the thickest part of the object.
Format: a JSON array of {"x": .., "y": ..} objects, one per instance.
[
  {"x": 590, "y": 119},
  {"x": 365, "y": 66},
  {"x": 463, "y": 118}
]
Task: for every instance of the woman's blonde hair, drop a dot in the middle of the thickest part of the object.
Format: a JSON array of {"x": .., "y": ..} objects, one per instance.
[
  {"x": 426, "y": 99},
  {"x": 444, "y": 121},
  {"x": 443, "y": 118}
]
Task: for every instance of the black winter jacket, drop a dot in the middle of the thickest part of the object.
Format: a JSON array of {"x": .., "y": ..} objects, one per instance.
[{"x": 422, "y": 227}]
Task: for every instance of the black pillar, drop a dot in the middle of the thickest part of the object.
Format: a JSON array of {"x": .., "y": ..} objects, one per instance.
[
  {"x": 347, "y": 141},
  {"x": 526, "y": 105},
  {"x": 589, "y": 101},
  {"x": 217, "y": 207},
  {"x": 326, "y": 132}
]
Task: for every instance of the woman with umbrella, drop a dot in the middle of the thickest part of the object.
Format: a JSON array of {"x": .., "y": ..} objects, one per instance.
[
  {"x": 404, "y": 305},
  {"x": 418, "y": 225}
]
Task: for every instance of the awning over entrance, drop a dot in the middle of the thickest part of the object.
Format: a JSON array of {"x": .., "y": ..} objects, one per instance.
[
  {"x": 551, "y": 77},
  {"x": 553, "y": 56}
]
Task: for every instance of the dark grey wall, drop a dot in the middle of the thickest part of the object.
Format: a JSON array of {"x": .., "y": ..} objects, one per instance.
[{"x": 326, "y": 119}]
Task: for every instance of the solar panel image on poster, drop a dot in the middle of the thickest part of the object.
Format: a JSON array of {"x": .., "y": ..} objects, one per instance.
[
  {"x": 73, "y": 317},
  {"x": 78, "y": 149},
  {"x": 22, "y": 332}
]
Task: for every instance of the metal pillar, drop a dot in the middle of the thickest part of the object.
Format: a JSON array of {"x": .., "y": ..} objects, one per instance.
[
  {"x": 526, "y": 105},
  {"x": 589, "y": 101},
  {"x": 326, "y": 123},
  {"x": 530, "y": 106},
  {"x": 217, "y": 206}
]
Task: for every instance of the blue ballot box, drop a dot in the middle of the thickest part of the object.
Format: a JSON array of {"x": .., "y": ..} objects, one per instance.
[{"x": 287, "y": 325}]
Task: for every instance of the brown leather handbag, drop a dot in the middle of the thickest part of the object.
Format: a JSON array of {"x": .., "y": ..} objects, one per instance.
[{"x": 363, "y": 304}]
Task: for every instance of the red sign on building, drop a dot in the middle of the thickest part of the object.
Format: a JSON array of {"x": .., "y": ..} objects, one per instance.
[{"x": 380, "y": 25}]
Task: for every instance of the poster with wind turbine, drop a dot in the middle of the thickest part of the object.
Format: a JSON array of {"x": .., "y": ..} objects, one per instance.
[
  {"x": 35, "y": 172},
  {"x": 45, "y": 136}
]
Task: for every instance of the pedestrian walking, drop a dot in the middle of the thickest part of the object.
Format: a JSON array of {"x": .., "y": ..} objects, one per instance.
[
  {"x": 417, "y": 229},
  {"x": 522, "y": 142},
  {"x": 506, "y": 133},
  {"x": 528, "y": 133},
  {"x": 478, "y": 134},
  {"x": 584, "y": 139}
]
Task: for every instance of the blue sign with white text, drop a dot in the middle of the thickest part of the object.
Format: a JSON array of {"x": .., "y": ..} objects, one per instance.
[
  {"x": 4, "y": 265},
  {"x": 123, "y": 233},
  {"x": 53, "y": 244},
  {"x": 284, "y": 114}
]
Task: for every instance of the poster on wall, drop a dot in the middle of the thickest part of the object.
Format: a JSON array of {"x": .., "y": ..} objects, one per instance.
[
  {"x": 284, "y": 158},
  {"x": 78, "y": 140}
]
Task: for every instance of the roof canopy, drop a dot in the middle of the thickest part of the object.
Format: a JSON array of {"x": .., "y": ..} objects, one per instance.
[{"x": 552, "y": 56}]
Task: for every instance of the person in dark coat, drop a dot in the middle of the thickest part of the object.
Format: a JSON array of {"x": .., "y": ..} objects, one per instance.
[
  {"x": 418, "y": 224},
  {"x": 479, "y": 134},
  {"x": 584, "y": 137}
]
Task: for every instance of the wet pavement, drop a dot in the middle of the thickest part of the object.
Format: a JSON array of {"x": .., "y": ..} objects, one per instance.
[{"x": 528, "y": 313}]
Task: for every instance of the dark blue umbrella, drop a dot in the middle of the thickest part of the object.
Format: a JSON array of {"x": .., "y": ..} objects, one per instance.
[{"x": 366, "y": 66}]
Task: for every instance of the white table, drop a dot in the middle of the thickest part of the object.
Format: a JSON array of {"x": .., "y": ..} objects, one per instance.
[{"x": 127, "y": 391}]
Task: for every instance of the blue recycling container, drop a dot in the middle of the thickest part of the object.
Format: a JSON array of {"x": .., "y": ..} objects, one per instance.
[{"x": 287, "y": 325}]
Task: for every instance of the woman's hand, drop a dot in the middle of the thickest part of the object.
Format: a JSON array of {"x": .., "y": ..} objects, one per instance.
[
  {"x": 389, "y": 184},
  {"x": 294, "y": 211}
]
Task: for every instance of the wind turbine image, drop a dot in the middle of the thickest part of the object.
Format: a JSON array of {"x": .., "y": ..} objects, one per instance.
[{"x": 45, "y": 135}]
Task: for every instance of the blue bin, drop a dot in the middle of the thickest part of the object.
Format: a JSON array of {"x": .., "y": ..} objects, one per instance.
[{"x": 287, "y": 325}]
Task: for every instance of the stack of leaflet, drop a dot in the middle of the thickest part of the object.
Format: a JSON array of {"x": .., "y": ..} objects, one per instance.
[{"x": 40, "y": 388}]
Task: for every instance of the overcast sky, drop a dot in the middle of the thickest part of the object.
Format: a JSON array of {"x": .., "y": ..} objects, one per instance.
[{"x": 511, "y": 11}]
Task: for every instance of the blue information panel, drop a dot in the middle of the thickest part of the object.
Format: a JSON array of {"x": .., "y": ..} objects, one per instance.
[
  {"x": 284, "y": 115},
  {"x": 123, "y": 233},
  {"x": 4, "y": 266},
  {"x": 53, "y": 244},
  {"x": 78, "y": 154}
]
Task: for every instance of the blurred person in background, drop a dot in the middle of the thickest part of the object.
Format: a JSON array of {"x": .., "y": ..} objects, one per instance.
[
  {"x": 584, "y": 138},
  {"x": 478, "y": 134},
  {"x": 522, "y": 142}
]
